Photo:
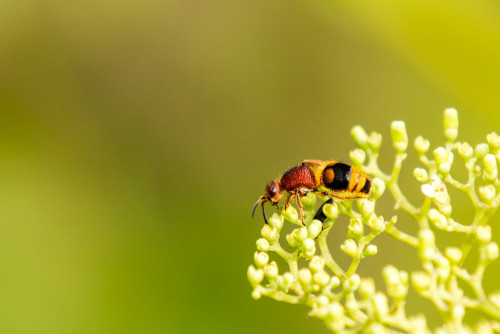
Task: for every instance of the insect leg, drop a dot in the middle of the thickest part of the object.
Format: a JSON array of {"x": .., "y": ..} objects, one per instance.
[
  {"x": 298, "y": 195},
  {"x": 319, "y": 214},
  {"x": 287, "y": 201}
]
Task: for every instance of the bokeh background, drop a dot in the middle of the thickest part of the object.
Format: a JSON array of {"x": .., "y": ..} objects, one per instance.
[{"x": 135, "y": 136}]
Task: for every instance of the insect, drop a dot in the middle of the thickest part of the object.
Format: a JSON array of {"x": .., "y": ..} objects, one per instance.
[{"x": 334, "y": 179}]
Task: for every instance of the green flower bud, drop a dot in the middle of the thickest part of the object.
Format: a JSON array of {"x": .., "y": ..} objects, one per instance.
[
  {"x": 492, "y": 251},
  {"x": 421, "y": 145},
  {"x": 262, "y": 245},
  {"x": 356, "y": 227},
  {"x": 441, "y": 331},
  {"x": 320, "y": 312},
  {"x": 421, "y": 175},
  {"x": 271, "y": 271},
  {"x": 269, "y": 233},
  {"x": 377, "y": 224},
  {"x": 477, "y": 170},
  {"x": 350, "y": 247},
  {"x": 359, "y": 135},
  {"x": 288, "y": 280},
  {"x": 421, "y": 281},
  {"x": 404, "y": 278},
  {"x": 284, "y": 283},
  {"x": 350, "y": 305},
  {"x": 309, "y": 200},
  {"x": 391, "y": 274},
  {"x": 321, "y": 278},
  {"x": 317, "y": 263},
  {"x": 334, "y": 282},
  {"x": 336, "y": 314},
  {"x": 438, "y": 219},
  {"x": 366, "y": 288},
  {"x": 465, "y": 151},
  {"x": 292, "y": 241},
  {"x": 443, "y": 268},
  {"x": 445, "y": 210},
  {"x": 347, "y": 205},
  {"x": 352, "y": 283},
  {"x": 490, "y": 163},
  {"x": 487, "y": 193},
  {"x": 370, "y": 250},
  {"x": 494, "y": 141},
  {"x": 418, "y": 324},
  {"x": 483, "y": 234},
  {"x": 291, "y": 214},
  {"x": 255, "y": 276},
  {"x": 483, "y": 327},
  {"x": 305, "y": 277},
  {"x": 331, "y": 211},
  {"x": 375, "y": 141},
  {"x": 358, "y": 157},
  {"x": 481, "y": 150},
  {"x": 300, "y": 233},
  {"x": 399, "y": 136},
  {"x": 257, "y": 292},
  {"x": 365, "y": 207},
  {"x": 495, "y": 298},
  {"x": 261, "y": 259},
  {"x": 276, "y": 222},
  {"x": 440, "y": 155},
  {"x": 426, "y": 238},
  {"x": 490, "y": 168},
  {"x": 458, "y": 312},
  {"x": 444, "y": 168},
  {"x": 450, "y": 124},
  {"x": 376, "y": 328},
  {"x": 381, "y": 306},
  {"x": 314, "y": 228},
  {"x": 454, "y": 254},
  {"x": 377, "y": 189},
  {"x": 308, "y": 248},
  {"x": 323, "y": 300},
  {"x": 396, "y": 281}
]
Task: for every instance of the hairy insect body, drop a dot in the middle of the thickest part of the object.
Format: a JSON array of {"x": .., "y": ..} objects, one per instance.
[
  {"x": 341, "y": 180},
  {"x": 299, "y": 177},
  {"x": 331, "y": 178}
]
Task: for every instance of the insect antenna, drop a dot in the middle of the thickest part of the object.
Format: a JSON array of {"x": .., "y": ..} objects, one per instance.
[{"x": 261, "y": 200}]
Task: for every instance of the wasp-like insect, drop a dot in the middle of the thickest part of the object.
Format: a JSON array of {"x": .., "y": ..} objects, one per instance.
[{"x": 334, "y": 179}]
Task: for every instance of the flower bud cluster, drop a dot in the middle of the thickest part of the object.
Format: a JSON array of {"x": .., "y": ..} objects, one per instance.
[
  {"x": 436, "y": 189},
  {"x": 397, "y": 282},
  {"x": 337, "y": 294}
]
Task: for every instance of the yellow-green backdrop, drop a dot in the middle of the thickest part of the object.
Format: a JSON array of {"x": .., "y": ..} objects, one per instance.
[{"x": 135, "y": 136}]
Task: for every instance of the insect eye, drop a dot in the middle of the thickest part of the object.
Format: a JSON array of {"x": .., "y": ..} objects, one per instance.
[{"x": 272, "y": 190}]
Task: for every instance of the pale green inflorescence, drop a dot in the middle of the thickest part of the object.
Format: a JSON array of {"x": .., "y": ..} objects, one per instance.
[{"x": 348, "y": 303}]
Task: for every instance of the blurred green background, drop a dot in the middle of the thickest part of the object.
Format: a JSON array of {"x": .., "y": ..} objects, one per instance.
[{"x": 135, "y": 136}]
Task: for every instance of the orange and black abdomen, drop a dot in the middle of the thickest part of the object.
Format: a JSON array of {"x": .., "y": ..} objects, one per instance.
[
  {"x": 298, "y": 177},
  {"x": 340, "y": 177}
]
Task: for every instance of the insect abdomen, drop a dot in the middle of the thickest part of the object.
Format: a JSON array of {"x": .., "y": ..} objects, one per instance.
[{"x": 340, "y": 177}]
